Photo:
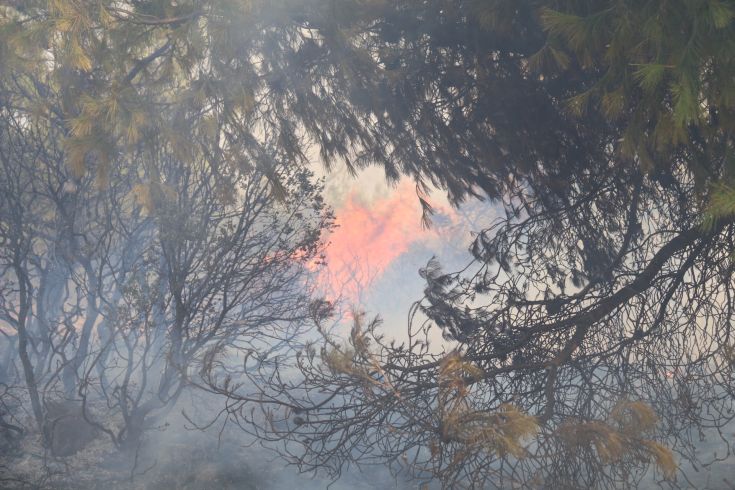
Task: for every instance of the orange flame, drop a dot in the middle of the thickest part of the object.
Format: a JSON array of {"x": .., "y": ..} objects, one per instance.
[{"x": 369, "y": 238}]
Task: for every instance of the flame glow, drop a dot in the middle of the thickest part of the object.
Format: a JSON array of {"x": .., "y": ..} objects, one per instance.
[{"x": 369, "y": 238}]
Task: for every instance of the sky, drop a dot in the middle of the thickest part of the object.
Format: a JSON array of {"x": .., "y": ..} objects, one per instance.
[{"x": 375, "y": 253}]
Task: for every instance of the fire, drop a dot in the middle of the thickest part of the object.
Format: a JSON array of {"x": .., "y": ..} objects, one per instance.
[{"x": 369, "y": 238}]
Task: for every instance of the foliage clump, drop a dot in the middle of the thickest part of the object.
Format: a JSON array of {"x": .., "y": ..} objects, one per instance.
[
  {"x": 621, "y": 438},
  {"x": 499, "y": 432}
]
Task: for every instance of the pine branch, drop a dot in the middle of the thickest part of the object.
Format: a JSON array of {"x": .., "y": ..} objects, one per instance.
[{"x": 142, "y": 63}]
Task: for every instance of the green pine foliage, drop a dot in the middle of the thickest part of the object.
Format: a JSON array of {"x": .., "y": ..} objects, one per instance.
[
  {"x": 669, "y": 68},
  {"x": 123, "y": 78}
]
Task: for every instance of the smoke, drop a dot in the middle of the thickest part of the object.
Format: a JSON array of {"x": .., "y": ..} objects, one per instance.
[{"x": 221, "y": 457}]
